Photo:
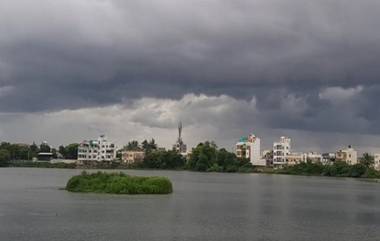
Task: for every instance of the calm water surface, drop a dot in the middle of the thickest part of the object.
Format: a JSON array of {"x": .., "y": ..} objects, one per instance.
[{"x": 202, "y": 207}]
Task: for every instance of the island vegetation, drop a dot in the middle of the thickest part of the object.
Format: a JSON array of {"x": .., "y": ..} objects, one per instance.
[{"x": 118, "y": 183}]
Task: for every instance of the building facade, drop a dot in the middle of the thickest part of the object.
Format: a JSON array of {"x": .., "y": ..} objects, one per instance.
[
  {"x": 281, "y": 150},
  {"x": 328, "y": 158},
  {"x": 132, "y": 157},
  {"x": 294, "y": 158},
  {"x": 377, "y": 161},
  {"x": 97, "y": 150},
  {"x": 348, "y": 155},
  {"x": 249, "y": 147},
  {"x": 312, "y": 157}
]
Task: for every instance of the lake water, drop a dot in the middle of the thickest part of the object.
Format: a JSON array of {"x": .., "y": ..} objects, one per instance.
[{"x": 203, "y": 207}]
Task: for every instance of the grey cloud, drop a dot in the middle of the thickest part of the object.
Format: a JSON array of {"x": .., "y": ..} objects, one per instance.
[{"x": 287, "y": 54}]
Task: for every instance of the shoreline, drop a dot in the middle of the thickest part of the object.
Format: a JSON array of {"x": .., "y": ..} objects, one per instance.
[{"x": 273, "y": 172}]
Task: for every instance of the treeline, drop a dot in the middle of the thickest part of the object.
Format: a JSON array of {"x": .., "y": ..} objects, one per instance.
[
  {"x": 208, "y": 157},
  {"x": 10, "y": 152},
  {"x": 155, "y": 158},
  {"x": 205, "y": 157},
  {"x": 363, "y": 169}
]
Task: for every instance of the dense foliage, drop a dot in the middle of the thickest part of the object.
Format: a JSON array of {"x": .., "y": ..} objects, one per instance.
[
  {"x": 145, "y": 146},
  {"x": 4, "y": 157},
  {"x": 70, "y": 151},
  {"x": 162, "y": 159},
  {"x": 337, "y": 169},
  {"x": 207, "y": 157},
  {"x": 118, "y": 183}
]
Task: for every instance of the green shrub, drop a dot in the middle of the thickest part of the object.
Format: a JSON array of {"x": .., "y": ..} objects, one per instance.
[{"x": 118, "y": 183}]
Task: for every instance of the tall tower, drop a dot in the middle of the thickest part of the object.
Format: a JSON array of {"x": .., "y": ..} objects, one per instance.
[
  {"x": 180, "y": 131},
  {"x": 179, "y": 146}
]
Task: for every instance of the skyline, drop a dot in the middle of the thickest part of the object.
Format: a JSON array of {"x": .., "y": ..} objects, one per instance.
[{"x": 75, "y": 69}]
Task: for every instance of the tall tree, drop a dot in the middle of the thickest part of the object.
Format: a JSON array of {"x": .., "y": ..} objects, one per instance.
[
  {"x": 132, "y": 146},
  {"x": 5, "y": 157},
  {"x": 367, "y": 160},
  {"x": 44, "y": 147}
]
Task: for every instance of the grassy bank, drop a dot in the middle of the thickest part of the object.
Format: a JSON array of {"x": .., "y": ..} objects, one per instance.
[
  {"x": 43, "y": 165},
  {"x": 338, "y": 169},
  {"x": 118, "y": 183}
]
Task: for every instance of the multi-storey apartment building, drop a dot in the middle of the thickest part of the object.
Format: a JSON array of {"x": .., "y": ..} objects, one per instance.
[
  {"x": 249, "y": 147},
  {"x": 96, "y": 150},
  {"x": 281, "y": 150},
  {"x": 348, "y": 155}
]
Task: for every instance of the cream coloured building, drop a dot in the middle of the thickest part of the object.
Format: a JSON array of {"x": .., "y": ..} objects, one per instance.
[
  {"x": 348, "y": 155},
  {"x": 131, "y": 157}
]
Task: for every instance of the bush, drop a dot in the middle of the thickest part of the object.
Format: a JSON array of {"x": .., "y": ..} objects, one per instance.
[
  {"x": 4, "y": 157},
  {"x": 118, "y": 183}
]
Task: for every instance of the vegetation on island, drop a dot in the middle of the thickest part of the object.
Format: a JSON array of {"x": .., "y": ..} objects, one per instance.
[{"x": 118, "y": 183}]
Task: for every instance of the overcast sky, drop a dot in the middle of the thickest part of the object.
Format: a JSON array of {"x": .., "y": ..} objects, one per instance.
[{"x": 74, "y": 69}]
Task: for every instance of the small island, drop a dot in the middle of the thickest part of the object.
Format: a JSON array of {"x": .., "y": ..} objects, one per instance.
[{"x": 118, "y": 183}]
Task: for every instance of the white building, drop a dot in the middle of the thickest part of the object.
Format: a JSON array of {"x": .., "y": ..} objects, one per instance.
[
  {"x": 377, "y": 162},
  {"x": 312, "y": 157},
  {"x": 281, "y": 150},
  {"x": 348, "y": 155},
  {"x": 97, "y": 150},
  {"x": 249, "y": 147}
]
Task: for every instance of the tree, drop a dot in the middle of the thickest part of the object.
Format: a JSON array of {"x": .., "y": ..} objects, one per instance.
[
  {"x": 132, "y": 146},
  {"x": 163, "y": 159},
  {"x": 367, "y": 160},
  {"x": 71, "y": 151},
  {"x": 5, "y": 157},
  {"x": 148, "y": 146},
  {"x": 62, "y": 150},
  {"x": 44, "y": 147},
  {"x": 33, "y": 150},
  {"x": 203, "y": 156}
]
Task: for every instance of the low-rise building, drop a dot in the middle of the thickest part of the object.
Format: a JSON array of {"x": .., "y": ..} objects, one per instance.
[
  {"x": 132, "y": 157},
  {"x": 348, "y": 155},
  {"x": 249, "y": 147},
  {"x": 312, "y": 157},
  {"x": 96, "y": 150},
  {"x": 294, "y": 158},
  {"x": 281, "y": 150},
  {"x": 44, "y": 156},
  {"x": 328, "y": 158}
]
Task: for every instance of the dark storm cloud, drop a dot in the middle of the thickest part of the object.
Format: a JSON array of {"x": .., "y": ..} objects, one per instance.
[{"x": 83, "y": 53}]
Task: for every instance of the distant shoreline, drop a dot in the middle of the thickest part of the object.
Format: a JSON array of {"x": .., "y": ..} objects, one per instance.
[{"x": 303, "y": 169}]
